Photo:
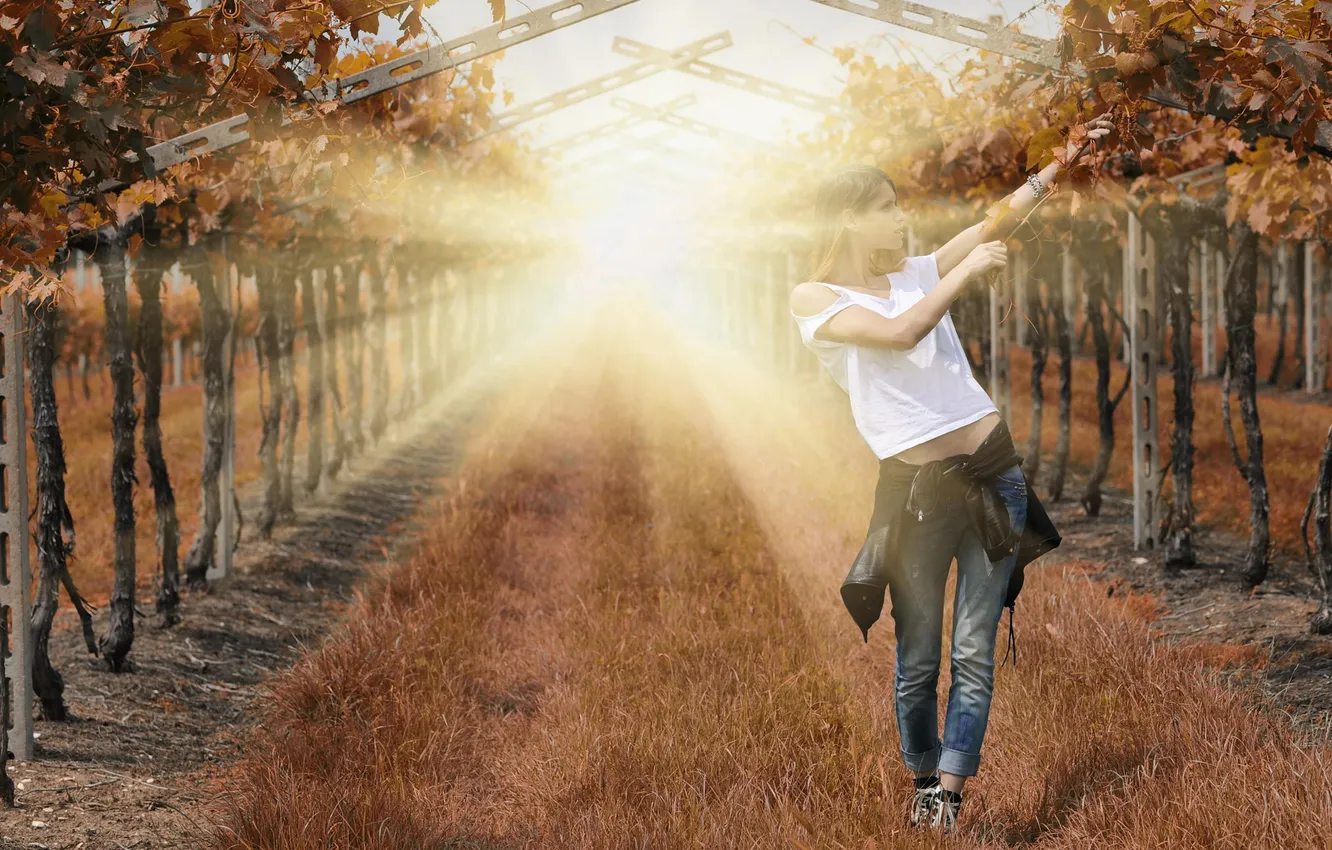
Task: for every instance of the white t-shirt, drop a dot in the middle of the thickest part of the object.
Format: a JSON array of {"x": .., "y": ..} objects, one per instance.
[{"x": 901, "y": 399}]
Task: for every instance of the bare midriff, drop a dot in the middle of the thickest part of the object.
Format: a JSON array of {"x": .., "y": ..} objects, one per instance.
[{"x": 962, "y": 441}]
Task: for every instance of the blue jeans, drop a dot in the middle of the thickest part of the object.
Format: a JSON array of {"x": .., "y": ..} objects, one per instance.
[{"x": 916, "y": 586}]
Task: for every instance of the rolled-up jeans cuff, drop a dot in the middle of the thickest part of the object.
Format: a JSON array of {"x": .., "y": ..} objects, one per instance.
[
  {"x": 926, "y": 762},
  {"x": 958, "y": 763}
]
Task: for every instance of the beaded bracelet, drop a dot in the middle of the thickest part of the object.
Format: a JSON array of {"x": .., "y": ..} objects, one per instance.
[{"x": 1037, "y": 187}]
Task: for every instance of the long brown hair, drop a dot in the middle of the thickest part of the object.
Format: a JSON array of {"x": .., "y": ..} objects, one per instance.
[{"x": 848, "y": 189}]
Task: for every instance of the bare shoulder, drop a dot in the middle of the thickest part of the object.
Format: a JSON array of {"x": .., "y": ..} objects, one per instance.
[{"x": 810, "y": 298}]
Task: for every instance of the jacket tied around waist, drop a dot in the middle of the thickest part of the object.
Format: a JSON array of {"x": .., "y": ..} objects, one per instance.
[{"x": 909, "y": 492}]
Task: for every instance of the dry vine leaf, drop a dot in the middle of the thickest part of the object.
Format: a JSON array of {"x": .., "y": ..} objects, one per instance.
[{"x": 1000, "y": 218}]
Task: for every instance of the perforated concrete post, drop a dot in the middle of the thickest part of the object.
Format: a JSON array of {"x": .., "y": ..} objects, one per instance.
[
  {"x": 770, "y": 307},
  {"x": 480, "y": 296},
  {"x": 793, "y": 341},
  {"x": 458, "y": 338},
  {"x": 743, "y": 311},
  {"x": 753, "y": 277},
  {"x": 1285, "y": 258},
  {"x": 743, "y": 281},
  {"x": 14, "y": 574},
  {"x": 723, "y": 285},
  {"x": 999, "y": 381},
  {"x": 1140, "y": 263},
  {"x": 1020, "y": 280},
  {"x": 446, "y": 325},
  {"x": 226, "y": 529},
  {"x": 1206, "y": 258},
  {"x": 177, "y": 364},
  {"x": 739, "y": 307},
  {"x": 1220, "y": 268},
  {"x": 318, "y": 277},
  {"x": 1193, "y": 273},
  {"x": 497, "y": 280},
  {"x": 436, "y": 328},
  {"x": 1080, "y": 278},
  {"x": 471, "y": 316},
  {"x": 767, "y": 332},
  {"x": 735, "y": 285},
  {"x": 1315, "y": 354},
  {"x": 1161, "y": 326},
  {"x": 1066, "y": 276},
  {"x": 1126, "y": 308},
  {"x": 825, "y": 377},
  {"x": 459, "y": 321}
]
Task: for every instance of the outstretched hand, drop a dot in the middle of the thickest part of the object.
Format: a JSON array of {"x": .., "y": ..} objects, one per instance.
[
  {"x": 985, "y": 258},
  {"x": 1084, "y": 137}
]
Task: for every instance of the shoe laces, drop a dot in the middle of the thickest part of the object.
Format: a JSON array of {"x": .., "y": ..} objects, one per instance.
[
  {"x": 945, "y": 811},
  {"x": 923, "y": 803}
]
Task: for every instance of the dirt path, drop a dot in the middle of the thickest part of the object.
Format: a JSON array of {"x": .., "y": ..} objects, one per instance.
[
  {"x": 142, "y": 763},
  {"x": 602, "y": 567}
]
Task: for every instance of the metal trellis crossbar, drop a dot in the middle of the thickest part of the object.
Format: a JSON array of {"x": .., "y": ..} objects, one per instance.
[
  {"x": 610, "y": 128},
  {"x": 734, "y": 79},
  {"x": 959, "y": 29},
  {"x": 652, "y": 144},
  {"x": 704, "y": 129},
  {"x": 389, "y": 75},
  {"x": 664, "y": 60}
]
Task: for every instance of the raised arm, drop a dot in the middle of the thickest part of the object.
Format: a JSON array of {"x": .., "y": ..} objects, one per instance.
[
  {"x": 862, "y": 326},
  {"x": 1020, "y": 201}
]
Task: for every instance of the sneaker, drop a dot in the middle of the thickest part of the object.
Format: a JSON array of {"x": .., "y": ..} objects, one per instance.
[
  {"x": 922, "y": 802},
  {"x": 944, "y": 814}
]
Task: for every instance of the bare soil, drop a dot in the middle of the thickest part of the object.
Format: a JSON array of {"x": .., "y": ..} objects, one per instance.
[
  {"x": 148, "y": 750},
  {"x": 1209, "y": 603}
]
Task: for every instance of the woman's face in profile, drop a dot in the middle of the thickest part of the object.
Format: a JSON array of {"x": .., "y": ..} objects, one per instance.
[{"x": 882, "y": 226}]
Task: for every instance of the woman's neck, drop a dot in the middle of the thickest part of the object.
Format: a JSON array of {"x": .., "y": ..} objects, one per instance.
[{"x": 855, "y": 271}]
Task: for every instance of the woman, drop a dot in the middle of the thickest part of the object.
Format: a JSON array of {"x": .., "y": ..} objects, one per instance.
[{"x": 950, "y": 480}]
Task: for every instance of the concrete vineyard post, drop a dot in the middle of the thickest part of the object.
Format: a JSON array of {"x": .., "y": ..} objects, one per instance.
[
  {"x": 14, "y": 573},
  {"x": 1144, "y": 337},
  {"x": 1206, "y": 259},
  {"x": 999, "y": 383}
]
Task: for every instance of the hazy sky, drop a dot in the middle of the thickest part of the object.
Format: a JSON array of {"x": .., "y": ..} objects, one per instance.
[{"x": 767, "y": 42}]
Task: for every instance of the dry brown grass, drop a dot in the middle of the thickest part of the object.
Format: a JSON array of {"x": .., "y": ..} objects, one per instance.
[{"x": 623, "y": 630}]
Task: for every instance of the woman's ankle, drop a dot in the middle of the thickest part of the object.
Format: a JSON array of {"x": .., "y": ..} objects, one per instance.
[
  {"x": 925, "y": 780},
  {"x": 952, "y": 782}
]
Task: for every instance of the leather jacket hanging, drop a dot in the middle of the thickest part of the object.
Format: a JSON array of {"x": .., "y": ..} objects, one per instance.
[{"x": 908, "y": 492}]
